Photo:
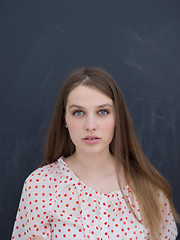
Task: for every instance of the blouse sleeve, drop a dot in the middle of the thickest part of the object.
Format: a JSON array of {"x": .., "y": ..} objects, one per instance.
[
  {"x": 33, "y": 213},
  {"x": 168, "y": 226}
]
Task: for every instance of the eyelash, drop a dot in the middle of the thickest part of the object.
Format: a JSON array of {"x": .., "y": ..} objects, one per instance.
[{"x": 79, "y": 111}]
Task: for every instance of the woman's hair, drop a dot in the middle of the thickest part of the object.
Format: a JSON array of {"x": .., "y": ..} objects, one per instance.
[{"x": 144, "y": 180}]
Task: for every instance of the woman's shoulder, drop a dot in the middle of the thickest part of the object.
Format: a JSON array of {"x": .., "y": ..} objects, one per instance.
[
  {"x": 162, "y": 197},
  {"x": 51, "y": 173}
]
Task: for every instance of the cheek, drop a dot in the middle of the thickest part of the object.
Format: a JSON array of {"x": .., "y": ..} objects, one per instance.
[
  {"x": 73, "y": 126},
  {"x": 111, "y": 130},
  {"x": 109, "y": 125}
]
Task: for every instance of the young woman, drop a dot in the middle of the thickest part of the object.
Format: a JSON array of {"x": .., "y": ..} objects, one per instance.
[{"x": 95, "y": 181}]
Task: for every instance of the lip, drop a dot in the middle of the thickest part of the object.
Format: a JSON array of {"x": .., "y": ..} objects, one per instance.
[{"x": 91, "y": 141}]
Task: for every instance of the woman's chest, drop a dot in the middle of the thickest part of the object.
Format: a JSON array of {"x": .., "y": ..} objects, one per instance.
[
  {"x": 95, "y": 220},
  {"x": 107, "y": 184}
]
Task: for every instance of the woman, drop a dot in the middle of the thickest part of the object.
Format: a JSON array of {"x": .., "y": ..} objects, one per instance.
[{"x": 95, "y": 181}]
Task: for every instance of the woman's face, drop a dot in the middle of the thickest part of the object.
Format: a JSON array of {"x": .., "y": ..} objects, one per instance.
[{"x": 90, "y": 117}]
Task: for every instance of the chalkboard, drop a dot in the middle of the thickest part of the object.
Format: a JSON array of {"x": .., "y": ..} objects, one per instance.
[{"x": 42, "y": 41}]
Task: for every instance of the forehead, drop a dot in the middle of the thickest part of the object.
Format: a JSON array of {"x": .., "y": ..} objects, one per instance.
[{"x": 82, "y": 95}]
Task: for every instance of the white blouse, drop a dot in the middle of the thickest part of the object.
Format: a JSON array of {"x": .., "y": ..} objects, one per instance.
[{"x": 56, "y": 204}]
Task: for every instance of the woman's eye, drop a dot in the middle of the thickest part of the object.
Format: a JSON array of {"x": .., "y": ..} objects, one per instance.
[
  {"x": 103, "y": 112},
  {"x": 78, "y": 113}
]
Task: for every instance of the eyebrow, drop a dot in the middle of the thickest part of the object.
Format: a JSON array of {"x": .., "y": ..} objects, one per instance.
[{"x": 100, "y": 106}]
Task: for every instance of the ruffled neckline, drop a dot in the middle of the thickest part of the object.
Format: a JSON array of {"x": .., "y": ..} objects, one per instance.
[{"x": 117, "y": 193}]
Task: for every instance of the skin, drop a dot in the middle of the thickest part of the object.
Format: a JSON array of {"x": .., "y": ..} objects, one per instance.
[
  {"x": 90, "y": 119},
  {"x": 38, "y": 238},
  {"x": 91, "y": 112}
]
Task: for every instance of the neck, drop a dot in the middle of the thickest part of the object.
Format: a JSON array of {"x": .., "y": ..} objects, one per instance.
[{"x": 92, "y": 164}]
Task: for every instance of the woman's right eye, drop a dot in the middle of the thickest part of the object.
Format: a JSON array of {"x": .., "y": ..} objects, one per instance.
[{"x": 78, "y": 113}]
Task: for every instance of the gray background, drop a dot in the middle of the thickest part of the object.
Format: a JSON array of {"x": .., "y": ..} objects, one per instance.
[{"x": 42, "y": 41}]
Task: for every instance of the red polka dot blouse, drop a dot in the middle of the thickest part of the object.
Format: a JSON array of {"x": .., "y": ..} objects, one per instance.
[{"x": 55, "y": 204}]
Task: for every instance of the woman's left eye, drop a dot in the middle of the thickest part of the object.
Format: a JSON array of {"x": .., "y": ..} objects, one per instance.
[{"x": 103, "y": 112}]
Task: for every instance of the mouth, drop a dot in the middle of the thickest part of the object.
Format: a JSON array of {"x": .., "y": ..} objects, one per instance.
[{"x": 91, "y": 139}]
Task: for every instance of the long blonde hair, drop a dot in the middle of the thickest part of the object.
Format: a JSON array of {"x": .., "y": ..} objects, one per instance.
[{"x": 143, "y": 178}]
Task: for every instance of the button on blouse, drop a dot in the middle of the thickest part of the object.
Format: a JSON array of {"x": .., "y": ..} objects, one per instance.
[{"x": 56, "y": 204}]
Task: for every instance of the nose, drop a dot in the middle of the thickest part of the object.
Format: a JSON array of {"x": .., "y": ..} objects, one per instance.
[{"x": 90, "y": 123}]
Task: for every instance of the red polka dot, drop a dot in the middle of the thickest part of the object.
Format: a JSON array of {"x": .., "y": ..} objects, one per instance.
[{"x": 55, "y": 201}]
